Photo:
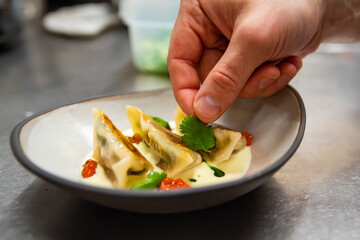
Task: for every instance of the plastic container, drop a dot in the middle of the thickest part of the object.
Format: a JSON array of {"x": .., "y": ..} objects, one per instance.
[{"x": 150, "y": 23}]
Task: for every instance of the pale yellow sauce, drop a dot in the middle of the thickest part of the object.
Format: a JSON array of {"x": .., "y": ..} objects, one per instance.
[
  {"x": 234, "y": 168},
  {"x": 99, "y": 179}
]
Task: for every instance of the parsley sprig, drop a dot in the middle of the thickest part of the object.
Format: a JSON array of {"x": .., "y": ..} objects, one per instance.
[{"x": 196, "y": 135}]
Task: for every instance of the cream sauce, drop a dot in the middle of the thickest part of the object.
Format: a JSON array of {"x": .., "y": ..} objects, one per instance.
[
  {"x": 99, "y": 179},
  {"x": 234, "y": 168}
]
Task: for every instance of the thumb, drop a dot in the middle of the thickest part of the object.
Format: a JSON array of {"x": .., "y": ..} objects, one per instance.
[{"x": 223, "y": 83}]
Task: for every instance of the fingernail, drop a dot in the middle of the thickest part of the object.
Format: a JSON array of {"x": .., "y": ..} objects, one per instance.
[
  {"x": 207, "y": 107},
  {"x": 264, "y": 83}
]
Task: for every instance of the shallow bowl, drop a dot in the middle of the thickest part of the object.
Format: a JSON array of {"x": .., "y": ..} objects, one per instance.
[{"x": 52, "y": 144}]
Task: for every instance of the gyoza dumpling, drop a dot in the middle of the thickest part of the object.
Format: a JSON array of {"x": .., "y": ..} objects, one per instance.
[
  {"x": 179, "y": 116},
  {"x": 175, "y": 157},
  {"x": 121, "y": 160},
  {"x": 226, "y": 141}
]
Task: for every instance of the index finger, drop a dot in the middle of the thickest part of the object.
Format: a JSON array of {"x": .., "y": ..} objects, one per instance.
[{"x": 184, "y": 53}]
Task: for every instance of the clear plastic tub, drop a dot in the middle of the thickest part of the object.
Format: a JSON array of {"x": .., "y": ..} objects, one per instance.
[{"x": 150, "y": 23}]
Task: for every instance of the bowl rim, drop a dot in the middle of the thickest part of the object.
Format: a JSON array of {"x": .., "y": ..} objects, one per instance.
[{"x": 64, "y": 182}]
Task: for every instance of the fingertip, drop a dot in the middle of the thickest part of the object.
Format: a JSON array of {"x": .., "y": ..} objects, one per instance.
[
  {"x": 216, "y": 94},
  {"x": 261, "y": 85},
  {"x": 296, "y": 61},
  {"x": 283, "y": 81},
  {"x": 288, "y": 68},
  {"x": 263, "y": 76},
  {"x": 207, "y": 108},
  {"x": 288, "y": 71}
]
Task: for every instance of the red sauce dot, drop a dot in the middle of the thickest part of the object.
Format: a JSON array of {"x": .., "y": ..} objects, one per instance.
[
  {"x": 249, "y": 137},
  {"x": 135, "y": 139},
  {"x": 89, "y": 168},
  {"x": 171, "y": 184}
]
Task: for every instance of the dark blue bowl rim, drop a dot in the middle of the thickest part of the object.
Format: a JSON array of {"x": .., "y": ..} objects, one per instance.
[{"x": 63, "y": 182}]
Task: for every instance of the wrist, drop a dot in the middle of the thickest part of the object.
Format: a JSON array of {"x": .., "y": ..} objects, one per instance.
[{"x": 341, "y": 21}]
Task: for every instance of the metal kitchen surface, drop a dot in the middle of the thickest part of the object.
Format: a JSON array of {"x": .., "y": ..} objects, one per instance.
[{"x": 314, "y": 196}]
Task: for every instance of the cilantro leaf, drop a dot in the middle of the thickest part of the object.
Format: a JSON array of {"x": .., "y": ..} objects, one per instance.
[
  {"x": 161, "y": 122},
  {"x": 153, "y": 181},
  {"x": 196, "y": 135}
]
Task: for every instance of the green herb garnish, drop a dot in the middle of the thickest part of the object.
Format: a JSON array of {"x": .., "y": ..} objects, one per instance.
[
  {"x": 153, "y": 181},
  {"x": 217, "y": 172},
  {"x": 161, "y": 122},
  {"x": 192, "y": 180},
  {"x": 196, "y": 135}
]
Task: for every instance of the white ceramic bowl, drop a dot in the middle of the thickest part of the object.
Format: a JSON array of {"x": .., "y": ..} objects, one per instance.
[{"x": 52, "y": 144}]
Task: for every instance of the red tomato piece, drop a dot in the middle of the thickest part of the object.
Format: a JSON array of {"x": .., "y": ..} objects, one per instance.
[
  {"x": 249, "y": 137},
  {"x": 171, "y": 184},
  {"x": 89, "y": 168}
]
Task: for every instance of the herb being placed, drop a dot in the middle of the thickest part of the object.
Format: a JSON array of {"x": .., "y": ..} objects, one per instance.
[{"x": 196, "y": 135}]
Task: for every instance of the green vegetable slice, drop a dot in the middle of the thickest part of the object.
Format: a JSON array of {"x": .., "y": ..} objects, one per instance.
[
  {"x": 161, "y": 122},
  {"x": 153, "y": 181}
]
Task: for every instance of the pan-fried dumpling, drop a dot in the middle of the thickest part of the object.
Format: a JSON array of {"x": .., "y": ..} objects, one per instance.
[
  {"x": 175, "y": 157},
  {"x": 124, "y": 165},
  {"x": 226, "y": 141},
  {"x": 179, "y": 116}
]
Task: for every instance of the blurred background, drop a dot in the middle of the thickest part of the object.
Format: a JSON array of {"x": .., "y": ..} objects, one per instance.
[
  {"x": 15, "y": 13},
  {"x": 149, "y": 22},
  {"x": 56, "y": 52}
]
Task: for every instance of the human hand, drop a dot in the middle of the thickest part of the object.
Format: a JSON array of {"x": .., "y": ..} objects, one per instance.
[{"x": 240, "y": 48}]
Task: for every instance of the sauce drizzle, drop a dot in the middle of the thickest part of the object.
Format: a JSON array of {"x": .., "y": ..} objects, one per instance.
[{"x": 89, "y": 168}]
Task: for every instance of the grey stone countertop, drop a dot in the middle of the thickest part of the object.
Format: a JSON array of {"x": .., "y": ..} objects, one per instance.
[{"x": 316, "y": 195}]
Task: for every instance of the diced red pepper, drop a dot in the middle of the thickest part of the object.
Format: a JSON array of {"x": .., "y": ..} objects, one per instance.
[
  {"x": 171, "y": 184},
  {"x": 89, "y": 168}
]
